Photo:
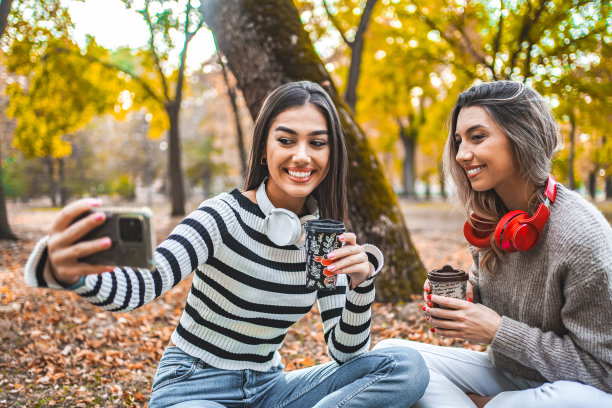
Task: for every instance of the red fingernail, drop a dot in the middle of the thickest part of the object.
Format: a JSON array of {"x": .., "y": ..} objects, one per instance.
[
  {"x": 424, "y": 308},
  {"x": 341, "y": 237},
  {"x": 470, "y": 299},
  {"x": 105, "y": 242},
  {"x": 430, "y": 304},
  {"x": 95, "y": 202},
  {"x": 99, "y": 216},
  {"x": 427, "y": 290},
  {"x": 428, "y": 318},
  {"x": 428, "y": 297},
  {"x": 433, "y": 330}
]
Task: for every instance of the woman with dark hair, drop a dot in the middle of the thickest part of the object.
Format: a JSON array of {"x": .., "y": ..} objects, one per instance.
[
  {"x": 541, "y": 288},
  {"x": 250, "y": 278}
]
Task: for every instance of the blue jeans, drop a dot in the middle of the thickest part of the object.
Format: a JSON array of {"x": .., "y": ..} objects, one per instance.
[{"x": 391, "y": 377}]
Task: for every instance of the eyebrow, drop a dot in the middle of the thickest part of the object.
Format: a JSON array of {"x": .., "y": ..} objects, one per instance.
[
  {"x": 293, "y": 132},
  {"x": 472, "y": 128}
]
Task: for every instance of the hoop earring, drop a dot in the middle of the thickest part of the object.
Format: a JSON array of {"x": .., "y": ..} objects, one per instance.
[{"x": 263, "y": 161}]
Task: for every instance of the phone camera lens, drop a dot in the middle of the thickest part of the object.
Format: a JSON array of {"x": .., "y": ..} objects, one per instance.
[{"x": 130, "y": 229}]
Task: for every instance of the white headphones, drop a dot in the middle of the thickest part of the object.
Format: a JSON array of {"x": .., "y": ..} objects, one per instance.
[{"x": 282, "y": 226}]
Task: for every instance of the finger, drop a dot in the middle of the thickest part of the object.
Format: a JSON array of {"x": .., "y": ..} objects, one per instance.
[
  {"x": 449, "y": 302},
  {"x": 345, "y": 251},
  {"x": 70, "y": 255},
  {"x": 73, "y": 273},
  {"x": 359, "y": 258},
  {"x": 469, "y": 292},
  {"x": 446, "y": 332},
  {"x": 439, "y": 313},
  {"x": 426, "y": 289},
  {"x": 348, "y": 238},
  {"x": 353, "y": 269},
  {"x": 69, "y": 212}
]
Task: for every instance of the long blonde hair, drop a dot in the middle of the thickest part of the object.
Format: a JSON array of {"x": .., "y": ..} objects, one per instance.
[{"x": 528, "y": 123}]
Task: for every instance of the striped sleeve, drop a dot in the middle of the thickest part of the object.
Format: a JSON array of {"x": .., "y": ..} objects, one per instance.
[
  {"x": 346, "y": 315},
  {"x": 190, "y": 244}
]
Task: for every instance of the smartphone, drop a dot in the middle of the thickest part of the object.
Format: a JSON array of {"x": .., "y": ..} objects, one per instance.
[{"x": 132, "y": 235}]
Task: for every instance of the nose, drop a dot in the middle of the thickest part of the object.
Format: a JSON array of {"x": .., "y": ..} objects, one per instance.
[
  {"x": 464, "y": 153},
  {"x": 301, "y": 154}
]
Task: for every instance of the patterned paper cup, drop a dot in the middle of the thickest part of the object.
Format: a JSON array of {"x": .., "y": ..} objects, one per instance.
[
  {"x": 321, "y": 238},
  {"x": 448, "y": 282}
]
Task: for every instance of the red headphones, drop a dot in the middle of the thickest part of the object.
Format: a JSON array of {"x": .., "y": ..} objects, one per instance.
[{"x": 515, "y": 231}]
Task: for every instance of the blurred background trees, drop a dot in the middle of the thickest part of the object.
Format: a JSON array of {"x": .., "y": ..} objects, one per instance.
[{"x": 138, "y": 124}]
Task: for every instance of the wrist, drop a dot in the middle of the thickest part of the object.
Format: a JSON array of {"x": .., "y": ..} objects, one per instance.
[{"x": 70, "y": 283}]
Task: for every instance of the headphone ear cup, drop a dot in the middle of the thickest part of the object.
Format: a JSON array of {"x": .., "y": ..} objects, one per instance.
[
  {"x": 479, "y": 239},
  {"x": 525, "y": 236},
  {"x": 504, "y": 230}
]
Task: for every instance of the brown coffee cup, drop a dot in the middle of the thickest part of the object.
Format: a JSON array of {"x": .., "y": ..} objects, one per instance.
[{"x": 448, "y": 282}]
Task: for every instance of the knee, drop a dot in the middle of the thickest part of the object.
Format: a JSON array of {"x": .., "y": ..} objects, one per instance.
[
  {"x": 572, "y": 392},
  {"x": 408, "y": 365}
]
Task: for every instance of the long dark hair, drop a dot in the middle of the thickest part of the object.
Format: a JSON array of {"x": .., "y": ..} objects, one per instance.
[
  {"x": 528, "y": 123},
  {"x": 331, "y": 193}
]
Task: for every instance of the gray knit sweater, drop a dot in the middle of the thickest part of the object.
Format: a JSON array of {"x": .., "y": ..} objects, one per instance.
[{"x": 556, "y": 299}]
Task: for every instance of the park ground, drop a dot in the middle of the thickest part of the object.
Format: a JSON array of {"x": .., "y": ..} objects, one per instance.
[{"x": 58, "y": 350}]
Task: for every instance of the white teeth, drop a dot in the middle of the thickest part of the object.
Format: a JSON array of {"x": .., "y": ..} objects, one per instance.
[
  {"x": 299, "y": 174},
  {"x": 474, "y": 171}
]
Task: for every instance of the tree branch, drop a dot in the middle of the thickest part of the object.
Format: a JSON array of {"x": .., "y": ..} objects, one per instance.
[
  {"x": 336, "y": 25},
  {"x": 160, "y": 71},
  {"x": 528, "y": 23},
  {"x": 188, "y": 36},
  {"x": 500, "y": 28}
]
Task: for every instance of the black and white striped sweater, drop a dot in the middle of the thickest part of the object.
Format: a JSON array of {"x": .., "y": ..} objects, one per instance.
[{"x": 245, "y": 294}]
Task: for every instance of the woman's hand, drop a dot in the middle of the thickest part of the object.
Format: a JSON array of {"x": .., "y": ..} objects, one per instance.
[
  {"x": 351, "y": 259},
  {"x": 64, "y": 251},
  {"x": 468, "y": 321},
  {"x": 469, "y": 291}
]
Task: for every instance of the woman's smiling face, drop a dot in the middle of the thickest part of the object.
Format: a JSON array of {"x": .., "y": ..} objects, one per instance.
[
  {"x": 297, "y": 155},
  {"x": 484, "y": 152}
]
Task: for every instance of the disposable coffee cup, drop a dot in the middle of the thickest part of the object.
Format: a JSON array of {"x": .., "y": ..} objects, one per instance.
[
  {"x": 321, "y": 239},
  {"x": 448, "y": 282}
]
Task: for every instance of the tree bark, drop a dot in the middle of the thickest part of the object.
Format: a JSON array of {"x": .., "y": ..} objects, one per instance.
[
  {"x": 350, "y": 95},
  {"x": 52, "y": 183},
  {"x": 5, "y": 228},
  {"x": 231, "y": 92},
  {"x": 266, "y": 45},
  {"x": 408, "y": 167},
  {"x": 175, "y": 171},
  {"x": 5, "y": 10}
]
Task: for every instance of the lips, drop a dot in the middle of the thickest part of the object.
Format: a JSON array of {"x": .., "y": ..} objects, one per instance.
[
  {"x": 299, "y": 175},
  {"x": 473, "y": 171}
]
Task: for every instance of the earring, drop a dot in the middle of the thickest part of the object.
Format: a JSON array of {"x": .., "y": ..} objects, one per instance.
[{"x": 263, "y": 161}]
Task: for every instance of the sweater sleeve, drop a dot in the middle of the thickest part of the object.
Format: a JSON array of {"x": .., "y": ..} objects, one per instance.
[
  {"x": 584, "y": 352},
  {"x": 189, "y": 245},
  {"x": 346, "y": 314}
]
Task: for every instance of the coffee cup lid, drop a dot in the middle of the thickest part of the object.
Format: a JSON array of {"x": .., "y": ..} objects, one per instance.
[
  {"x": 324, "y": 225},
  {"x": 447, "y": 273}
]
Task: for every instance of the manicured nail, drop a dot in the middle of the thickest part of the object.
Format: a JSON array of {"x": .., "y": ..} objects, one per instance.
[
  {"x": 341, "y": 237},
  {"x": 96, "y": 202},
  {"x": 330, "y": 255},
  {"x": 470, "y": 300},
  {"x": 424, "y": 308},
  {"x": 428, "y": 297},
  {"x": 430, "y": 304},
  {"x": 105, "y": 242},
  {"x": 99, "y": 216},
  {"x": 427, "y": 290},
  {"x": 331, "y": 267},
  {"x": 433, "y": 330},
  {"x": 428, "y": 318}
]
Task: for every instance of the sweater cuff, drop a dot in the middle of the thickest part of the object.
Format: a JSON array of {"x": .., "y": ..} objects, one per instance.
[
  {"x": 37, "y": 273},
  {"x": 375, "y": 257},
  {"x": 509, "y": 339}
]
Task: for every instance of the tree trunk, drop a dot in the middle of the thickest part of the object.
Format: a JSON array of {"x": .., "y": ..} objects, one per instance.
[
  {"x": 266, "y": 45},
  {"x": 5, "y": 9},
  {"x": 231, "y": 92},
  {"x": 52, "y": 183},
  {"x": 5, "y": 228},
  {"x": 592, "y": 185},
  {"x": 408, "y": 168},
  {"x": 572, "y": 153},
  {"x": 350, "y": 95},
  {"x": 63, "y": 191},
  {"x": 442, "y": 180},
  {"x": 177, "y": 189},
  {"x": 608, "y": 187}
]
